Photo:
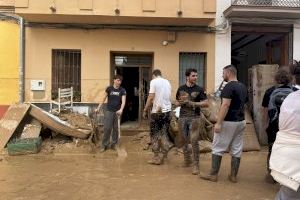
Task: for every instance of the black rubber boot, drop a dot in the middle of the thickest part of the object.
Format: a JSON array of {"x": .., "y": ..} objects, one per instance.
[
  {"x": 235, "y": 164},
  {"x": 215, "y": 167}
]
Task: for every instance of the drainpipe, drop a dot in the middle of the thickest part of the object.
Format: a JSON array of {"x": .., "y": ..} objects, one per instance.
[{"x": 22, "y": 61}]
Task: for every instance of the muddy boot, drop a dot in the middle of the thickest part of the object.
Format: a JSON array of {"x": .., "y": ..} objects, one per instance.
[
  {"x": 156, "y": 160},
  {"x": 195, "y": 170},
  {"x": 187, "y": 158},
  {"x": 196, "y": 155},
  {"x": 215, "y": 166},
  {"x": 235, "y": 164}
]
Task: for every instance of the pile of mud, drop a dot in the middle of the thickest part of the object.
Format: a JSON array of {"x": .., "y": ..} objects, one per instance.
[{"x": 76, "y": 119}]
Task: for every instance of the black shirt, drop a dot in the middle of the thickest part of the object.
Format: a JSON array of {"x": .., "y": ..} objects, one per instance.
[
  {"x": 195, "y": 94},
  {"x": 237, "y": 92},
  {"x": 114, "y": 98}
]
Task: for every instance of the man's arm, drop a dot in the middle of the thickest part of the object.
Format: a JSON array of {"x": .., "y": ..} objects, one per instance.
[
  {"x": 222, "y": 113},
  {"x": 119, "y": 112},
  {"x": 202, "y": 104},
  {"x": 149, "y": 101}
]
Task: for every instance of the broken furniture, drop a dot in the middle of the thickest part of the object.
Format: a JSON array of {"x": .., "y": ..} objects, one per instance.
[{"x": 64, "y": 100}]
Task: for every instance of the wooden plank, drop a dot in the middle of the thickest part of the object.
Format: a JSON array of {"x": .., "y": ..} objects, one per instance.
[
  {"x": 32, "y": 130},
  {"x": 11, "y": 121},
  {"x": 57, "y": 125},
  {"x": 262, "y": 79}
]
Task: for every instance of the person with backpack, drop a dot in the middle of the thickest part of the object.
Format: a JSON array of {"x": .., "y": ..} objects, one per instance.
[
  {"x": 285, "y": 157},
  {"x": 271, "y": 104}
]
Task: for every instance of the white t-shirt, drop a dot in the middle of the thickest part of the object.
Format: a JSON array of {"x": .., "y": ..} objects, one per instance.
[
  {"x": 162, "y": 100},
  {"x": 285, "y": 156}
]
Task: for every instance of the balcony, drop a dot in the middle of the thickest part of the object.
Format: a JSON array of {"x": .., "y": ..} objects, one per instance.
[
  {"x": 275, "y": 9},
  {"x": 133, "y": 12},
  {"x": 267, "y": 3}
]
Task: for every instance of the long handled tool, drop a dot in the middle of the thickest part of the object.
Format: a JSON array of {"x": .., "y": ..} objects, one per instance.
[{"x": 122, "y": 153}]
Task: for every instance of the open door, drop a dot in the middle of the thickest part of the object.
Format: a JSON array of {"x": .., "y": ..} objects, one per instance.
[
  {"x": 144, "y": 85},
  {"x": 136, "y": 72}
]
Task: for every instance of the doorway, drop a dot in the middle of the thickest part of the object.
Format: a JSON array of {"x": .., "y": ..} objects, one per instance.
[
  {"x": 252, "y": 45},
  {"x": 136, "y": 72}
]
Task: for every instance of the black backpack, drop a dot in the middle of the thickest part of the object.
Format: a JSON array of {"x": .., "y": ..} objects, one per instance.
[{"x": 276, "y": 99}]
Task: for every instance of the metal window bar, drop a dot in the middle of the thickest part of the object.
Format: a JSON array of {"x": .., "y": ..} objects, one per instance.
[
  {"x": 267, "y": 3},
  {"x": 66, "y": 70}
]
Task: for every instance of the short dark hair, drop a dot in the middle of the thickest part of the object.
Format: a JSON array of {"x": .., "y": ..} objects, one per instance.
[
  {"x": 118, "y": 76},
  {"x": 156, "y": 72},
  {"x": 283, "y": 76},
  {"x": 231, "y": 68},
  {"x": 189, "y": 71},
  {"x": 295, "y": 70}
]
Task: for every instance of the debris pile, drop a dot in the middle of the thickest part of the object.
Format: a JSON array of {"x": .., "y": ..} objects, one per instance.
[{"x": 27, "y": 121}]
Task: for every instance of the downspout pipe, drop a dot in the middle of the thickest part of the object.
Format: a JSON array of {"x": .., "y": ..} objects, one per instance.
[
  {"x": 22, "y": 62},
  {"x": 20, "y": 21}
]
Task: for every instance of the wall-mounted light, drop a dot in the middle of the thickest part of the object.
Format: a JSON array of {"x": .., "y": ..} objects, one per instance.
[
  {"x": 165, "y": 43},
  {"x": 117, "y": 11},
  {"x": 179, "y": 13}
]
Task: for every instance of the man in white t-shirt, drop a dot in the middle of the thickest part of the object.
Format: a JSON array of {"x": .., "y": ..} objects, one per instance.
[{"x": 160, "y": 100}]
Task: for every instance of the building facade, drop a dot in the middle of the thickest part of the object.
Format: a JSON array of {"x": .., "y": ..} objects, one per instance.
[{"x": 83, "y": 43}]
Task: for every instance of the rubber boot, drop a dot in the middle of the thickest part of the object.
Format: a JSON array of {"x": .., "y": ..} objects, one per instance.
[
  {"x": 235, "y": 164},
  {"x": 215, "y": 167}
]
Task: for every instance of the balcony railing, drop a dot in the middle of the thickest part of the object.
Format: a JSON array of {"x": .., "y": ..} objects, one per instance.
[{"x": 268, "y": 3}]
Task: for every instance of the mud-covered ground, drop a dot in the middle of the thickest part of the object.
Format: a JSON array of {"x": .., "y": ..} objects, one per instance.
[{"x": 71, "y": 171}]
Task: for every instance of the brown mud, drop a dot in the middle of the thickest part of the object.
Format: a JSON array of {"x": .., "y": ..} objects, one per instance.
[{"x": 70, "y": 171}]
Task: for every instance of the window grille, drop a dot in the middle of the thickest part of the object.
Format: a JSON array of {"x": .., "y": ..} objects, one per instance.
[{"x": 66, "y": 71}]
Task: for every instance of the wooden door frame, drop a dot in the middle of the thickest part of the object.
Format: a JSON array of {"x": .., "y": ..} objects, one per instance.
[{"x": 113, "y": 67}]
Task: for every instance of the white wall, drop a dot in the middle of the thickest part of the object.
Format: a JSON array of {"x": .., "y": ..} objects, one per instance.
[
  {"x": 296, "y": 44},
  {"x": 223, "y": 43}
]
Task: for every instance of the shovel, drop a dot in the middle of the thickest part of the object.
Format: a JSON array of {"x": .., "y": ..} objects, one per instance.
[{"x": 120, "y": 150}]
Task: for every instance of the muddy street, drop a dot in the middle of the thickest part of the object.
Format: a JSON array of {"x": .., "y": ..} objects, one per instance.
[{"x": 77, "y": 174}]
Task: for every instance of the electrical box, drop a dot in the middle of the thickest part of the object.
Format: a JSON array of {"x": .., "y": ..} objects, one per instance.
[{"x": 38, "y": 85}]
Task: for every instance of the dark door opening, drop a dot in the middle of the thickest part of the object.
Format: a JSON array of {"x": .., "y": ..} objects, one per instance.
[
  {"x": 136, "y": 72},
  {"x": 252, "y": 45},
  {"x": 131, "y": 84}
]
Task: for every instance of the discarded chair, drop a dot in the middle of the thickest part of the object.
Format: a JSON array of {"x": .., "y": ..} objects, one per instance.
[{"x": 63, "y": 101}]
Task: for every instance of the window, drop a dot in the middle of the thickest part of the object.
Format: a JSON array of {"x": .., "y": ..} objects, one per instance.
[
  {"x": 192, "y": 60},
  {"x": 66, "y": 71}
]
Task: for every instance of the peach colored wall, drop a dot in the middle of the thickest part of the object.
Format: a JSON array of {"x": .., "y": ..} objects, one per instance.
[
  {"x": 7, "y": 3},
  {"x": 165, "y": 8},
  {"x": 96, "y": 45}
]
